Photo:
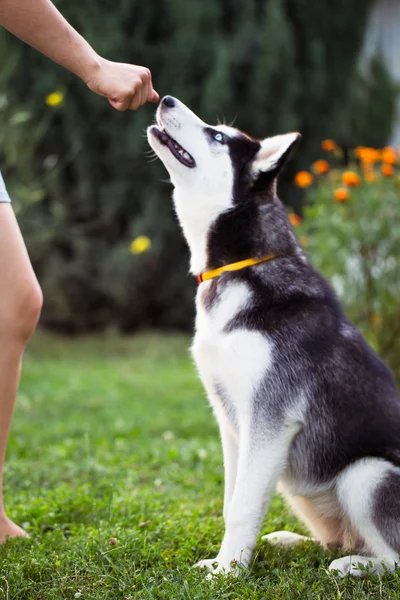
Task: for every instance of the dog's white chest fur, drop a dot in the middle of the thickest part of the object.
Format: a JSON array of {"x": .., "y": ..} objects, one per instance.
[{"x": 230, "y": 363}]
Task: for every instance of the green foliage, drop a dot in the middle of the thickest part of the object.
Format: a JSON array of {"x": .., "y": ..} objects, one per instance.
[
  {"x": 276, "y": 65},
  {"x": 113, "y": 438},
  {"x": 370, "y": 110},
  {"x": 20, "y": 138},
  {"x": 356, "y": 245}
]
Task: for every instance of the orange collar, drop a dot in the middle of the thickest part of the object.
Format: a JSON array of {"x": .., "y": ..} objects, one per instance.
[{"x": 249, "y": 262}]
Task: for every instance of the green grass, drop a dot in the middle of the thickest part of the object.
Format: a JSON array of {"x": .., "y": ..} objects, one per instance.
[{"x": 114, "y": 438}]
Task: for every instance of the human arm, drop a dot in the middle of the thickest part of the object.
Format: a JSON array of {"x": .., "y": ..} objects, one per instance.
[{"x": 41, "y": 25}]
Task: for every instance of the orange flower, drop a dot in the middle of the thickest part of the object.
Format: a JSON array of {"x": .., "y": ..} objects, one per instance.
[
  {"x": 329, "y": 145},
  {"x": 294, "y": 219},
  {"x": 351, "y": 178},
  {"x": 359, "y": 150},
  {"x": 321, "y": 167},
  {"x": 341, "y": 195},
  {"x": 389, "y": 156},
  {"x": 369, "y": 176},
  {"x": 387, "y": 170},
  {"x": 303, "y": 179},
  {"x": 368, "y": 156}
]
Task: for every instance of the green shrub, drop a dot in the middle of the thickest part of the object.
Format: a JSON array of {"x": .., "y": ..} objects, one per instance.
[
  {"x": 352, "y": 235},
  {"x": 276, "y": 65}
]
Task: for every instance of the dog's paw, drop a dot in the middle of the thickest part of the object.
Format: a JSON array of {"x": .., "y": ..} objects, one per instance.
[
  {"x": 217, "y": 568},
  {"x": 356, "y": 566},
  {"x": 208, "y": 563},
  {"x": 285, "y": 538}
]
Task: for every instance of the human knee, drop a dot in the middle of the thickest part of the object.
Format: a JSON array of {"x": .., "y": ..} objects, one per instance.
[{"x": 21, "y": 312}]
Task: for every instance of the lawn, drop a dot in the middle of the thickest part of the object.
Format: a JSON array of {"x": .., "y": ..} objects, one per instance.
[{"x": 113, "y": 438}]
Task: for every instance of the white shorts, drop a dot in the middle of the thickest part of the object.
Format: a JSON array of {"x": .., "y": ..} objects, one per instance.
[{"x": 4, "y": 197}]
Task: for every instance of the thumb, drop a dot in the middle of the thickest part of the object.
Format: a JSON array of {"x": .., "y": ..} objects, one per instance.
[{"x": 155, "y": 97}]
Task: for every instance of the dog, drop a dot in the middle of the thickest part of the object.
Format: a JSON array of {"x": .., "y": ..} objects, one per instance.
[{"x": 299, "y": 396}]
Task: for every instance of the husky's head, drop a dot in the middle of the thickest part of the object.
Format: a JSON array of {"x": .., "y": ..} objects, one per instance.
[{"x": 216, "y": 170}]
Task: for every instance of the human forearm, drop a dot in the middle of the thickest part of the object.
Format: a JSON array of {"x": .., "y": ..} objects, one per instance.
[{"x": 39, "y": 24}]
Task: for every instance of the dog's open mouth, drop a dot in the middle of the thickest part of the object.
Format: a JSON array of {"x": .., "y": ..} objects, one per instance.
[{"x": 180, "y": 153}]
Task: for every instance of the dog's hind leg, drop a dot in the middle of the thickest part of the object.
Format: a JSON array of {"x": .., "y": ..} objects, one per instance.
[
  {"x": 323, "y": 517},
  {"x": 369, "y": 493},
  {"x": 286, "y": 539}
]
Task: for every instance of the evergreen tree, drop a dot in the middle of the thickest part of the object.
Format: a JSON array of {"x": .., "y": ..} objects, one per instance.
[{"x": 274, "y": 65}]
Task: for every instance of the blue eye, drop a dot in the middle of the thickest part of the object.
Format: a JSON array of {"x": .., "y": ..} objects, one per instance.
[{"x": 218, "y": 137}]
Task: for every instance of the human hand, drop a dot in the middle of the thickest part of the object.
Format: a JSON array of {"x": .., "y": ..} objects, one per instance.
[{"x": 126, "y": 86}]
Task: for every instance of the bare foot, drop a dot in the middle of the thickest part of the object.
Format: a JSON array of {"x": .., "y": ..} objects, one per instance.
[{"x": 8, "y": 529}]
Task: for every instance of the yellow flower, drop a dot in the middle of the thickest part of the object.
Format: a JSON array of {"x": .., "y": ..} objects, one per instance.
[
  {"x": 374, "y": 319},
  {"x": 140, "y": 244},
  {"x": 387, "y": 170},
  {"x": 351, "y": 179},
  {"x": 388, "y": 155},
  {"x": 294, "y": 219},
  {"x": 55, "y": 99},
  {"x": 341, "y": 195},
  {"x": 321, "y": 167},
  {"x": 303, "y": 179},
  {"x": 329, "y": 145},
  {"x": 304, "y": 241}
]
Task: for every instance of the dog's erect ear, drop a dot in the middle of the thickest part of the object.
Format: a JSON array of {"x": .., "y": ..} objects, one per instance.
[{"x": 273, "y": 153}]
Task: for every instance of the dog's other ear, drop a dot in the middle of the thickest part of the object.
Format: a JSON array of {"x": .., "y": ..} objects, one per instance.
[{"x": 274, "y": 152}]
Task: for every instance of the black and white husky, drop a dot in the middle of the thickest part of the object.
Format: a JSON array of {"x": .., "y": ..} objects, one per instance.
[{"x": 298, "y": 394}]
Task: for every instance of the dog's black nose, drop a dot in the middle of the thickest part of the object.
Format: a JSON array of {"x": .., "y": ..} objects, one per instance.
[{"x": 168, "y": 101}]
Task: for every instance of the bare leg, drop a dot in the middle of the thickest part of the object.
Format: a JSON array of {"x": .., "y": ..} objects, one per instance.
[{"x": 20, "y": 306}]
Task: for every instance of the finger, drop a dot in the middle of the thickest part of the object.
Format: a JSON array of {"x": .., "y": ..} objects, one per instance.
[
  {"x": 152, "y": 95},
  {"x": 135, "y": 102},
  {"x": 149, "y": 88},
  {"x": 143, "y": 94},
  {"x": 140, "y": 97},
  {"x": 120, "y": 105},
  {"x": 149, "y": 91},
  {"x": 136, "y": 99},
  {"x": 144, "y": 88}
]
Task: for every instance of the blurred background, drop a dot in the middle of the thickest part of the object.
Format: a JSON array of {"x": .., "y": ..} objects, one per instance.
[{"x": 83, "y": 188}]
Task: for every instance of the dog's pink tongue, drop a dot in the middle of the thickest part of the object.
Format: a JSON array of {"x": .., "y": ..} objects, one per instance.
[{"x": 164, "y": 138}]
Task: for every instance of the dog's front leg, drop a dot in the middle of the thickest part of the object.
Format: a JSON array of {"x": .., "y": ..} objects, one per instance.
[
  {"x": 262, "y": 458},
  {"x": 230, "y": 448}
]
